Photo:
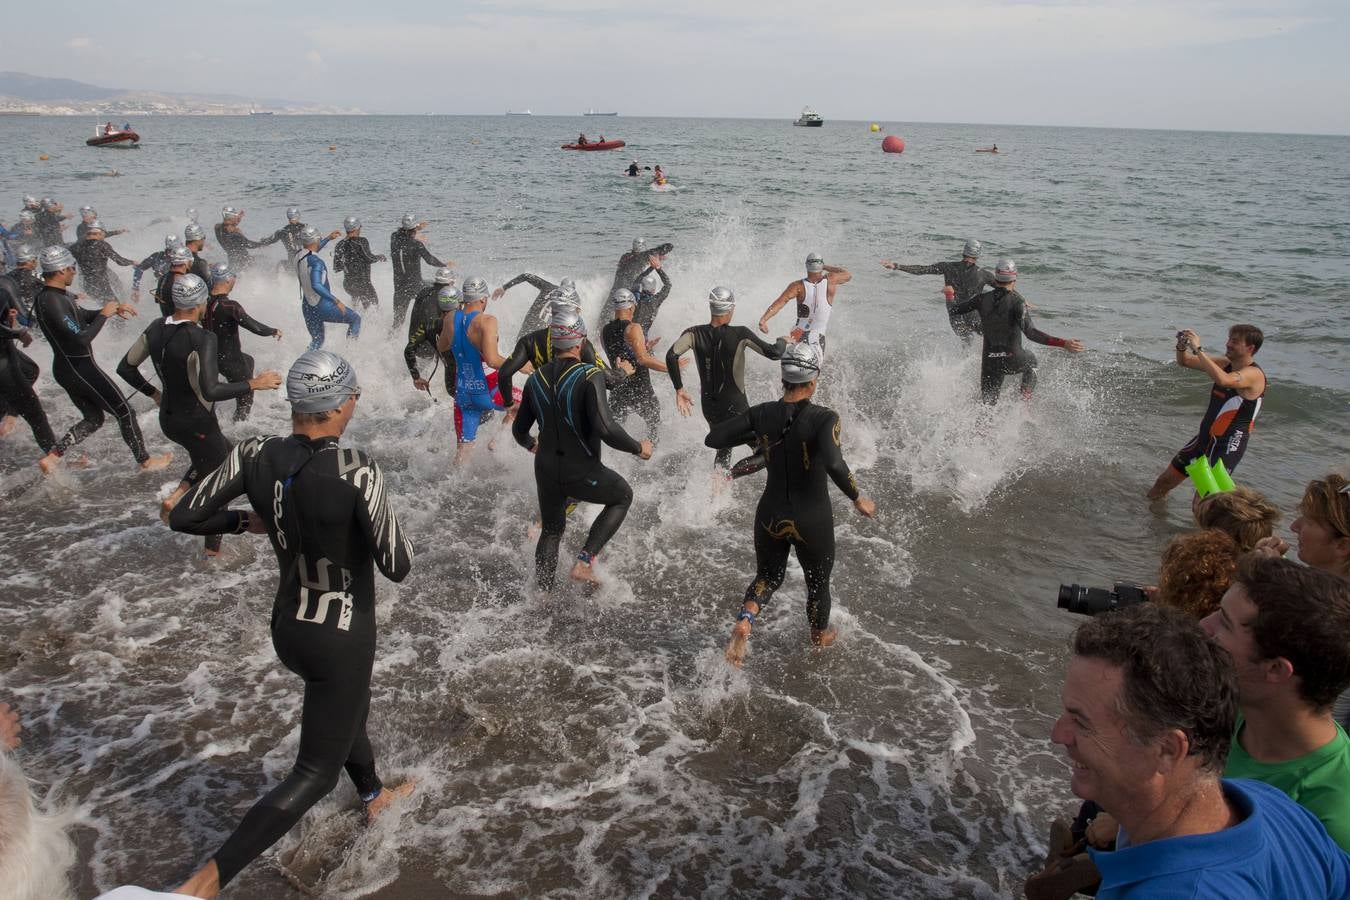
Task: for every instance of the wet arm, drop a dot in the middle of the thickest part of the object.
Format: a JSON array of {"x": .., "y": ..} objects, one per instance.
[
  {"x": 637, "y": 341},
  {"x": 248, "y": 322},
  {"x": 425, "y": 253},
  {"x": 1035, "y": 334},
  {"x": 513, "y": 364},
  {"x": 208, "y": 374},
  {"x": 683, "y": 344},
  {"x": 390, "y": 544},
  {"x": 835, "y": 466},
  {"x": 597, "y": 411},
  {"x": 520, "y": 428},
  {"x": 203, "y": 510},
  {"x": 410, "y": 349},
  {"x": 964, "y": 306},
  {"x": 731, "y": 433},
  {"x": 762, "y": 347},
  {"x": 916, "y": 270},
  {"x": 128, "y": 369},
  {"x": 539, "y": 284},
  {"x": 789, "y": 293},
  {"x": 119, "y": 258},
  {"x": 316, "y": 281}
]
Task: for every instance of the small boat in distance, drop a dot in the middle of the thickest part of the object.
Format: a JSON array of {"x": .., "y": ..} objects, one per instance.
[
  {"x": 110, "y": 136},
  {"x": 593, "y": 112},
  {"x": 809, "y": 118},
  {"x": 259, "y": 112},
  {"x": 523, "y": 112}
]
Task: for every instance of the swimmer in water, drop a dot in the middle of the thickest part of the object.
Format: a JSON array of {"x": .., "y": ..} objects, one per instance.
[
  {"x": 965, "y": 278},
  {"x": 185, "y": 356},
  {"x": 1004, "y": 320},
  {"x": 801, "y": 444},
  {"x": 719, "y": 356},
  {"x": 567, "y": 461},
  {"x": 814, "y": 296},
  {"x": 70, "y": 329},
  {"x": 633, "y": 170},
  {"x": 471, "y": 334},
  {"x": 658, "y": 177},
  {"x": 223, "y": 318},
  {"x": 327, "y": 513}
]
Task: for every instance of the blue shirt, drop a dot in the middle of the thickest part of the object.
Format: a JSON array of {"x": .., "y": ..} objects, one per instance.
[{"x": 1278, "y": 850}]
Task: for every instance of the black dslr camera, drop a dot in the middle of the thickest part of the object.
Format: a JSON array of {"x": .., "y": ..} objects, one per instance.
[{"x": 1089, "y": 601}]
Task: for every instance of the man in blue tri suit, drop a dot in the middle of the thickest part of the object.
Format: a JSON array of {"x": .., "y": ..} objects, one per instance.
[
  {"x": 472, "y": 337},
  {"x": 317, "y": 300}
]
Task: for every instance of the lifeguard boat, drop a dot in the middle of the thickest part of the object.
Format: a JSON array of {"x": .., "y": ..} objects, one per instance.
[{"x": 108, "y": 136}]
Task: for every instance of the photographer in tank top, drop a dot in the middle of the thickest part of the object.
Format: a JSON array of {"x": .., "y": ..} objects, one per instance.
[
  {"x": 814, "y": 296},
  {"x": 1234, "y": 403}
]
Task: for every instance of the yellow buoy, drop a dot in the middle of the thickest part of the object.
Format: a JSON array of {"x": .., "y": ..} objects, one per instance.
[
  {"x": 44, "y": 157},
  {"x": 875, "y": 127}
]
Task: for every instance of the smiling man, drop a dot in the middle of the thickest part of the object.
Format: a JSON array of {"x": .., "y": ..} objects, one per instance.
[{"x": 1149, "y": 708}]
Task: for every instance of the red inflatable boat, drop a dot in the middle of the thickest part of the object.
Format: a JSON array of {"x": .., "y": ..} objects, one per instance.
[
  {"x": 596, "y": 145},
  {"x": 115, "y": 139}
]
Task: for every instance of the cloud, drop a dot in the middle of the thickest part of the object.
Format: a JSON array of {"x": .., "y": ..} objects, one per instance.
[{"x": 79, "y": 43}]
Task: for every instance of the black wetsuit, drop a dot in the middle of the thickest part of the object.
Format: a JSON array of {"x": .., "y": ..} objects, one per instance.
[
  {"x": 536, "y": 348},
  {"x": 48, "y": 227},
  {"x": 967, "y": 280},
  {"x": 352, "y": 257},
  {"x": 801, "y": 441},
  {"x": 719, "y": 355},
  {"x": 648, "y": 304},
  {"x": 424, "y": 307},
  {"x": 407, "y": 254},
  {"x": 567, "y": 398},
  {"x": 331, "y": 523},
  {"x": 224, "y": 317},
  {"x": 629, "y": 269},
  {"x": 18, "y": 372},
  {"x": 28, "y": 283},
  {"x": 1225, "y": 427},
  {"x": 422, "y": 335},
  {"x": 157, "y": 262},
  {"x": 539, "y": 312},
  {"x": 71, "y": 329},
  {"x": 184, "y": 356},
  {"x": 164, "y": 291},
  {"x": 236, "y": 246},
  {"x": 1004, "y": 319},
  {"x": 201, "y": 268},
  {"x": 634, "y": 393},
  {"x": 289, "y": 235},
  {"x": 93, "y": 258}
]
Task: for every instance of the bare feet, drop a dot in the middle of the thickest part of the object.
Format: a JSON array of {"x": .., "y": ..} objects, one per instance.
[
  {"x": 740, "y": 641},
  {"x": 584, "y": 573},
  {"x": 386, "y": 797},
  {"x": 7, "y": 424},
  {"x": 49, "y": 463},
  {"x": 155, "y": 463},
  {"x": 205, "y": 882},
  {"x": 823, "y": 638}
]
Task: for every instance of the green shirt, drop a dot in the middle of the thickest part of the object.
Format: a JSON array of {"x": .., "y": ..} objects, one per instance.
[{"x": 1319, "y": 781}]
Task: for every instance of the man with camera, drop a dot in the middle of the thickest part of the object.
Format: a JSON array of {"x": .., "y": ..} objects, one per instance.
[
  {"x": 1149, "y": 708},
  {"x": 1288, "y": 677},
  {"x": 1235, "y": 401}
]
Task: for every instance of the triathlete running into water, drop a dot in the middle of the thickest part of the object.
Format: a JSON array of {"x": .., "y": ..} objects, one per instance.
[
  {"x": 631, "y": 267},
  {"x": 317, "y": 301},
  {"x": 156, "y": 263},
  {"x": 93, "y": 253},
  {"x": 184, "y": 356},
  {"x": 624, "y": 339},
  {"x": 539, "y": 313},
  {"x": 1234, "y": 402},
  {"x": 407, "y": 252},
  {"x": 536, "y": 348},
  {"x": 327, "y": 513},
  {"x": 719, "y": 355},
  {"x": 353, "y": 258},
  {"x": 224, "y": 317},
  {"x": 801, "y": 443},
  {"x": 965, "y": 278},
  {"x": 424, "y": 336},
  {"x": 471, "y": 335},
  {"x": 425, "y": 307},
  {"x": 814, "y": 296},
  {"x": 1004, "y": 320},
  {"x": 194, "y": 238},
  {"x": 234, "y": 242},
  {"x": 566, "y": 397},
  {"x": 18, "y": 373},
  {"x": 651, "y": 289},
  {"x": 70, "y": 329},
  {"x": 88, "y": 216},
  {"x": 179, "y": 260}
]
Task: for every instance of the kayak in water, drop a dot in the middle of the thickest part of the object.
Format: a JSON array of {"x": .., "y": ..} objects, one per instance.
[
  {"x": 993, "y": 149},
  {"x": 594, "y": 145}
]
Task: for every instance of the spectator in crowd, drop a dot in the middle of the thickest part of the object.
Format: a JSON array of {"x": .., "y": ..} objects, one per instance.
[
  {"x": 1289, "y": 675},
  {"x": 1245, "y": 514},
  {"x": 1322, "y": 527},
  {"x": 1196, "y": 570},
  {"x": 1150, "y": 704}
]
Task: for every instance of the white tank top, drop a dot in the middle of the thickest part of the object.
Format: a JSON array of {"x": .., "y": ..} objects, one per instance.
[{"x": 813, "y": 310}]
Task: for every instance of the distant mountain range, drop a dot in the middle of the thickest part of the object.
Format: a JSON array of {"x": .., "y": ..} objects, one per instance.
[{"x": 65, "y": 95}]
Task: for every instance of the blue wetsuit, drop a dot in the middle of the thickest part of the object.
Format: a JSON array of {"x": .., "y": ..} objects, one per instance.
[
  {"x": 474, "y": 400},
  {"x": 318, "y": 303}
]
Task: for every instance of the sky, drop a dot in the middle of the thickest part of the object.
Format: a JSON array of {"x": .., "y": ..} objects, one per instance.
[{"x": 1239, "y": 65}]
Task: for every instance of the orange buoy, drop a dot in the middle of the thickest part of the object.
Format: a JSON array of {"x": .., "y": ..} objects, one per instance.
[
  {"x": 44, "y": 157},
  {"x": 332, "y": 146},
  {"x": 893, "y": 144}
]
